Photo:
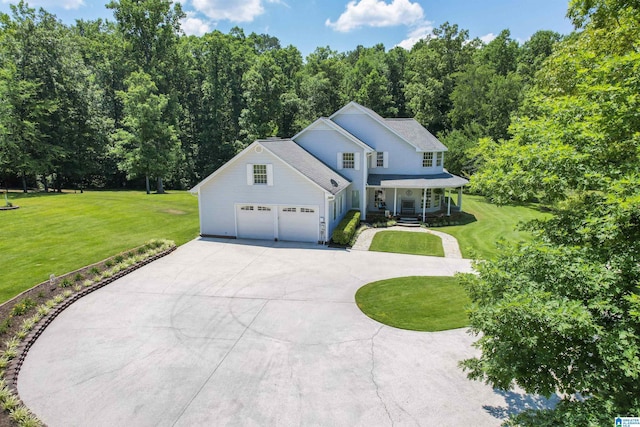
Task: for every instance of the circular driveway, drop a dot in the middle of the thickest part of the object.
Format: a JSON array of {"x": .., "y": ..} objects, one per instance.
[{"x": 253, "y": 333}]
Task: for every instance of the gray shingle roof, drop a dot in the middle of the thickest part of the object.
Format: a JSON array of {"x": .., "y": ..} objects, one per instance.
[
  {"x": 305, "y": 163},
  {"x": 415, "y": 134},
  {"x": 439, "y": 180}
]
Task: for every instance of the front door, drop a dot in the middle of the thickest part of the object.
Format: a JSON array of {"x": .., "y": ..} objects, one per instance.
[{"x": 408, "y": 207}]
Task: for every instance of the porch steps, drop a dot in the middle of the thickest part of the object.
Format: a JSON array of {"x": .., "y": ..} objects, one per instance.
[{"x": 408, "y": 222}]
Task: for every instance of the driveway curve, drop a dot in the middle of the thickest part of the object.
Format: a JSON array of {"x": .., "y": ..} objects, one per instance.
[{"x": 246, "y": 333}]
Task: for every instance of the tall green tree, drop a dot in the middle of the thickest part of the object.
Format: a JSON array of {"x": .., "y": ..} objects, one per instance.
[
  {"x": 146, "y": 145},
  {"x": 367, "y": 82},
  {"x": 562, "y": 313},
  {"x": 320, "y": 85},
  {"x": 150, "y": 29},
  {"x": 264, "y": 84},
  {"x": 430, "y": 74}
]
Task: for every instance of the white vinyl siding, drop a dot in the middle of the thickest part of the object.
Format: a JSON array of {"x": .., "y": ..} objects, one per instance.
[{"x": 219, "y": 197}]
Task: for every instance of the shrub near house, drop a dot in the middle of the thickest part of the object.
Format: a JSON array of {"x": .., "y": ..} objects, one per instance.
[{"x": 346, "y": 229}]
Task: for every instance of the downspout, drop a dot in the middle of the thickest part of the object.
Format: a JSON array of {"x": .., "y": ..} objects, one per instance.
[
  {"x": 200, "y": 210},
  {"x": 325, "y": 232}
]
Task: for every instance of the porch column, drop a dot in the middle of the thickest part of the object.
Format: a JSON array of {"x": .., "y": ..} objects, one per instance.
[
  {"x": 460, "y": 199},
  {"x": 424, "y": 203},
  {"x": 448, "y": 202},
  {"x": 395, "y": 200}
]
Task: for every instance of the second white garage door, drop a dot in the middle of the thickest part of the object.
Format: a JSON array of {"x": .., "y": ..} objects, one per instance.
[
  {"x": 294, "y": 223},
  {"x": 299, "y": 224}
]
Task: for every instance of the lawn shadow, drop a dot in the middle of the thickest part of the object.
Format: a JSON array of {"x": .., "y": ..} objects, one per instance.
[
  {"x": 465, "y": 218},
  {"x": 518, "y": 402},
  {"x": 18, "y": 195}
]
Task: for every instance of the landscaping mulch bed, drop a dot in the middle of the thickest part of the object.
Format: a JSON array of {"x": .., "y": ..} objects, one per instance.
[{"x": 23, "y": 306}]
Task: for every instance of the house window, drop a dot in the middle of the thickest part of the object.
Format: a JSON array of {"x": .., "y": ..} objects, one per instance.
[
  {"x": 427, "y": 160},
  {"x": 334, "y": 209},
  {"x": 264, "y": 208},
  {"x": 307, "y": 210},
  {"x": 288, "y": 209},
  {"x": 355, "y": 199},
  {"x": 439, "y": 157},
  {"x": 436, "y": 198},
  {"x": 259, "y": 174},
  {"x": 426, "y": 194},
  {"x": 348, "y": 161},
  {"x": 379, "y": 160},
  {"x": 246, "y": 208}
]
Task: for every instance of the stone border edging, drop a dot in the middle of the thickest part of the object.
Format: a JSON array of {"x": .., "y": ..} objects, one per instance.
[{"x": 13, "y": 370}]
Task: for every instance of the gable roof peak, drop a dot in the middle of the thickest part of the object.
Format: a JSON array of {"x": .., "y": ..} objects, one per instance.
[{"x": 407, "y": 129}]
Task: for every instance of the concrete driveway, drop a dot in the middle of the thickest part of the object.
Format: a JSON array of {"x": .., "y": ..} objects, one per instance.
[{"x": 239, "y": 333}]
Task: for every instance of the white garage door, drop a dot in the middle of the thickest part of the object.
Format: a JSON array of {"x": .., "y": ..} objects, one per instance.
[
  {"x": 299, "y": 224},
  {"x": 256, "y": 221}
]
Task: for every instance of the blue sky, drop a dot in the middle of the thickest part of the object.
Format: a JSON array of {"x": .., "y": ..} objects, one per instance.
[{"x": 344, "y": 24}]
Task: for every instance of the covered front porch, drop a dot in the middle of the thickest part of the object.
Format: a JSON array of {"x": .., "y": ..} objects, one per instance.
[{"x": 414, "y": 196}]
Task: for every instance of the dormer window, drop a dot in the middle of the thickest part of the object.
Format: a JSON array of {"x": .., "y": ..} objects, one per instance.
[
  {"x": 427, "y": 160},
  {"x": 379, "y": 159},
  {"x": 439, "y": 157}
]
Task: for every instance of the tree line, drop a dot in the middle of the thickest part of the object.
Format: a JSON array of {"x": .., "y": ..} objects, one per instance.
[{"x": 117, "y": 103}]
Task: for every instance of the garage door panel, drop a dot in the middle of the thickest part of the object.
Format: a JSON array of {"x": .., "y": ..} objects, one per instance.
[
  {"x": 256, "y": 222},
  {"x": 299, "y": 224}
]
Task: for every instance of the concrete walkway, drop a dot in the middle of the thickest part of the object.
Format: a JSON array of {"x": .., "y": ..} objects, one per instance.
[
  {"x": 449, "y": 243},
  {"x": 255, "y": 334}
]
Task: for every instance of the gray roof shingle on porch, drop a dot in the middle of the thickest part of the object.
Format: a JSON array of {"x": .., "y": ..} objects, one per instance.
[
  {"x": 440, "y": 180},
  {"x": 308, "y": 165}
]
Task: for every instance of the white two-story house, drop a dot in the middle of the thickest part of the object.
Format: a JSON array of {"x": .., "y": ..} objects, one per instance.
[{"x": 300, "y": 188}]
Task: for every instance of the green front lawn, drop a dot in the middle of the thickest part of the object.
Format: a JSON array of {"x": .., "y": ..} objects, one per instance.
[
  {"x": 407, "y": 242},
  {"x": 58, "y": 233},
  {"x": 478, "y": 239},
  {"x": 417, "y": 303}
]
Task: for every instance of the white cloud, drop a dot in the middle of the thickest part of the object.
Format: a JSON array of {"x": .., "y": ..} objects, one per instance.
[
  {"x": 487, "y": 37},
  {"x": 235, "y": 11},
  {"x": 377, "y": 13},
  {"x": 416, "y": 34},
  {"x": 72, "y": 4},
  {"x": 194, "y": 26}
]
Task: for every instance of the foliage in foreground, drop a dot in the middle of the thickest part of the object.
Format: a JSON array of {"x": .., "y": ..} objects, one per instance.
[{"x": 562, "y": 314}]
